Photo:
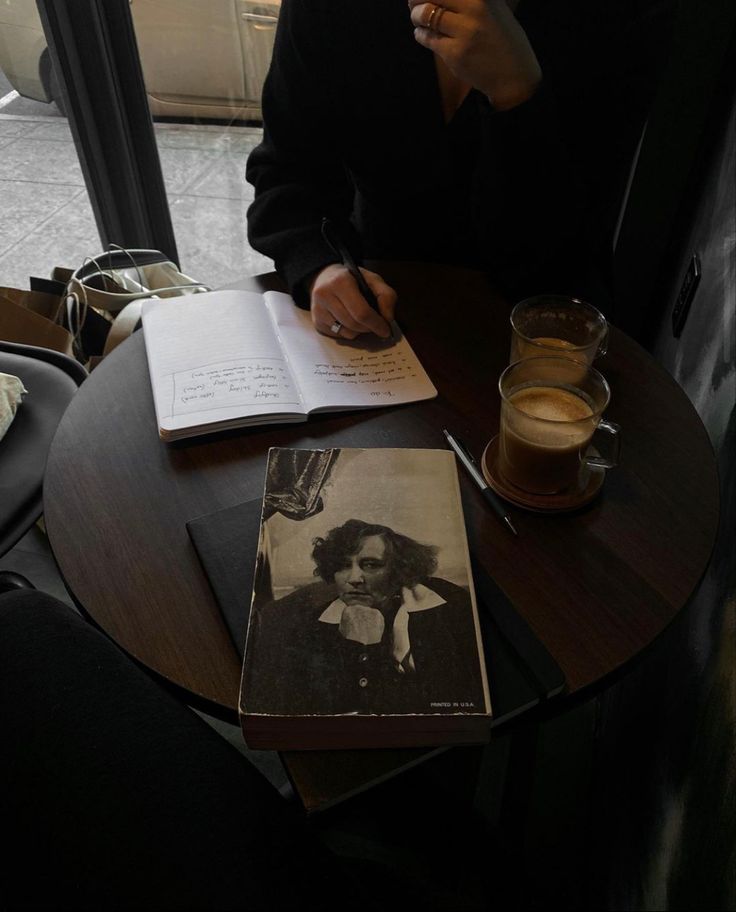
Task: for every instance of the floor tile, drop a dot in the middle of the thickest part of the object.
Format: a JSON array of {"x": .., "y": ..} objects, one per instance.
[
  {"x": 26, "y": 205},
  {"x": 53, "y": 129},
  {"x": 62, "y": 240},
  {"x": 212, "y": 240},
  {"x": 181, "y": 167},
  {"x": 54, "y": 163},
  {"x": 11, "y": 130},
  {"x": 217, "y": 139},
  {"x": 30, "y": 108},
  {"x": 225, "y": 178}
]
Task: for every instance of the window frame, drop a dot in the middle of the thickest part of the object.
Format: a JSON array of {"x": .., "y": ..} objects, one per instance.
[{"x": 94, "y": 52}]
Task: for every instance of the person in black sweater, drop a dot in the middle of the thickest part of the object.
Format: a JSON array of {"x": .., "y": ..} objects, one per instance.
[{"x": 489, "y": 133}]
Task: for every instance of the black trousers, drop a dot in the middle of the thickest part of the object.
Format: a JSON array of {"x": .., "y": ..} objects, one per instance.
[{"x": 114, "y": 795}]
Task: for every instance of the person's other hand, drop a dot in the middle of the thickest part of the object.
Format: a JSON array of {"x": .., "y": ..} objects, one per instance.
[
  {"x": 482, "y": 43},
  {"x": 335, "y": 296}
]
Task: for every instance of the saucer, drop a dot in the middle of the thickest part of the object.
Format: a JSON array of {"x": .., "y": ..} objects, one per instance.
[{"x": 589, "y": 484}]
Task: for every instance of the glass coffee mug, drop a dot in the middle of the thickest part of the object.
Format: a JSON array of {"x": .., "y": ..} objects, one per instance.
[
  {"x": 552, "y": 325},
  {"x": 550, "y": 410}
]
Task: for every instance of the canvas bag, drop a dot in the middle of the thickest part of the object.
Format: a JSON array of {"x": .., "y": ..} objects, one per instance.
[
  {"x": 114, "y": 284},
  {"x": 33, "y": 318},
  {"x": 113, "y": 279},
  {"x": 87, "y": 312}
]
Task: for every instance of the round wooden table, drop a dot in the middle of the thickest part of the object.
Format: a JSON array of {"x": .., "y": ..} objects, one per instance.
[{"x": 597, "y": 587}]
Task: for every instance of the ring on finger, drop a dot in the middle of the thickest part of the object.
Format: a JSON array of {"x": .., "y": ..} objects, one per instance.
[
  {"x": 336, "y": 327},
  {"x": 430, "y": 19},
  {"x": 438, "y": 20}
]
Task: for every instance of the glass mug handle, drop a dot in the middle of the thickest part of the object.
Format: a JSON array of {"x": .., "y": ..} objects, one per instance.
[
  {"x": 603, "y": 344},
  {"x": 614, "y": 431}
]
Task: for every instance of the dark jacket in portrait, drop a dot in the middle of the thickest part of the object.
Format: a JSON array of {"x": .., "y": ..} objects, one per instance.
[{"x": 298, "y": 662}]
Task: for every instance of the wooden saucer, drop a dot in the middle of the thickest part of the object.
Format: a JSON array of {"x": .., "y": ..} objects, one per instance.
[{"x": 589, "y": 484}]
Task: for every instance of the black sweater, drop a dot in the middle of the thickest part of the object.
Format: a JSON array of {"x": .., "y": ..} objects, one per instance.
[{"x": 353, "y": 130}]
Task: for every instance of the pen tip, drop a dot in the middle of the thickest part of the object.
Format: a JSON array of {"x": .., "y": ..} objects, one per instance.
[{"x": 510, "y": 525}]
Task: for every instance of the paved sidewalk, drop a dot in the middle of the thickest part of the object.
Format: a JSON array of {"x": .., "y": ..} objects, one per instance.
[{"x": 46, "y": 219}]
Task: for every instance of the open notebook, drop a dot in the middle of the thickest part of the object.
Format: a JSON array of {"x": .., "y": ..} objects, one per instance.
[{"x": 227, "y": 359}]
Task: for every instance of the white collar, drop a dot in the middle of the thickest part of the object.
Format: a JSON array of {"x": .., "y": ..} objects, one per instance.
[{"x": 418, "y": 598}]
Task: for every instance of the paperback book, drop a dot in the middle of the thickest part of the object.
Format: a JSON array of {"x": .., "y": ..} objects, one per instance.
[{"x": 363, "y": 629}]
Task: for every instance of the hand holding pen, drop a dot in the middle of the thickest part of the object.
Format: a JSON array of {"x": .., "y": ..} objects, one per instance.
[{"x": 347, "y": 301}]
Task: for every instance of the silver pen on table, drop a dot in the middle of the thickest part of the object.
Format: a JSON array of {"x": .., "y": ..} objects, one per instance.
[{"x": 463, "y": 454}]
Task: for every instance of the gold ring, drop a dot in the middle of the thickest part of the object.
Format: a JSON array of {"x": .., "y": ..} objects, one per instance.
[
  {"x": 442, "y": 12},
  {"x": 432, "y": 14}
]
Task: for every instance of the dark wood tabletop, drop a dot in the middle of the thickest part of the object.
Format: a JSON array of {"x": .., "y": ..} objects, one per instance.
[{"x": 597, "y": 586}]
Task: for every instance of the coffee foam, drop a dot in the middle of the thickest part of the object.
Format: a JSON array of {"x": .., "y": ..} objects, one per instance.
[
  {"x": 550, "y": 342},
  {"x": 551, "y": 346},
  {"x": 551, "y": 403}
]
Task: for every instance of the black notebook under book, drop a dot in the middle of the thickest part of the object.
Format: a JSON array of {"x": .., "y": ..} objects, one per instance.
[{"x": 521, "y": 672}]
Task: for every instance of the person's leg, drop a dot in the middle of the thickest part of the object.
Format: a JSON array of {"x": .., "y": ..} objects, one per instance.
[{"x": 113, "y": 794}]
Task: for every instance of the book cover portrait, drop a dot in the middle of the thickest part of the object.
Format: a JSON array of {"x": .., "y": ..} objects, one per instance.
[{"x": 363, "y": 602}]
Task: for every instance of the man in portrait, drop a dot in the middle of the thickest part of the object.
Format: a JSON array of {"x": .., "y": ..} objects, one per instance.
[{"x": 378, "y": 634}]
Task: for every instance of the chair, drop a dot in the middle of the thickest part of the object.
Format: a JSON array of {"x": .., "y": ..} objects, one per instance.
[{"x": 51, "y": 379}]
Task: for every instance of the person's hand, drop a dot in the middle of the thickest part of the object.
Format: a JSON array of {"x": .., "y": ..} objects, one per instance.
[
  {"x": 335, "y": 297},
  {"x": 482, "y": 43}
]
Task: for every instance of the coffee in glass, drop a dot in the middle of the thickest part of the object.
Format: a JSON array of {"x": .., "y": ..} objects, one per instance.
[
  {"x": 553, "y": 325},
  {"x": 550, "y": 409}
]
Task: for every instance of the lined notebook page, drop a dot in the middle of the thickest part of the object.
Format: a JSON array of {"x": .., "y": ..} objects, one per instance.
[
  {"x": 333, "y": 373},
  {"x": 215, "y": 357}
]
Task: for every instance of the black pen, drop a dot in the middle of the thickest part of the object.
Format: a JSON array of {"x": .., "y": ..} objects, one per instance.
[
  {"x": 331, "y": 235},
  {"x": 463, "y": 454}
]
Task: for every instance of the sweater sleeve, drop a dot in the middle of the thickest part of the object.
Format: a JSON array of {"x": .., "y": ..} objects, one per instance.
[{"x": 297, "y": 170}]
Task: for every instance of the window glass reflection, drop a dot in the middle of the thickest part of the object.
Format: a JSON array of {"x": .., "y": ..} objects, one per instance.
[
  {"x": 204, "y": 65},
  {"x": 46, "y": 218}
]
